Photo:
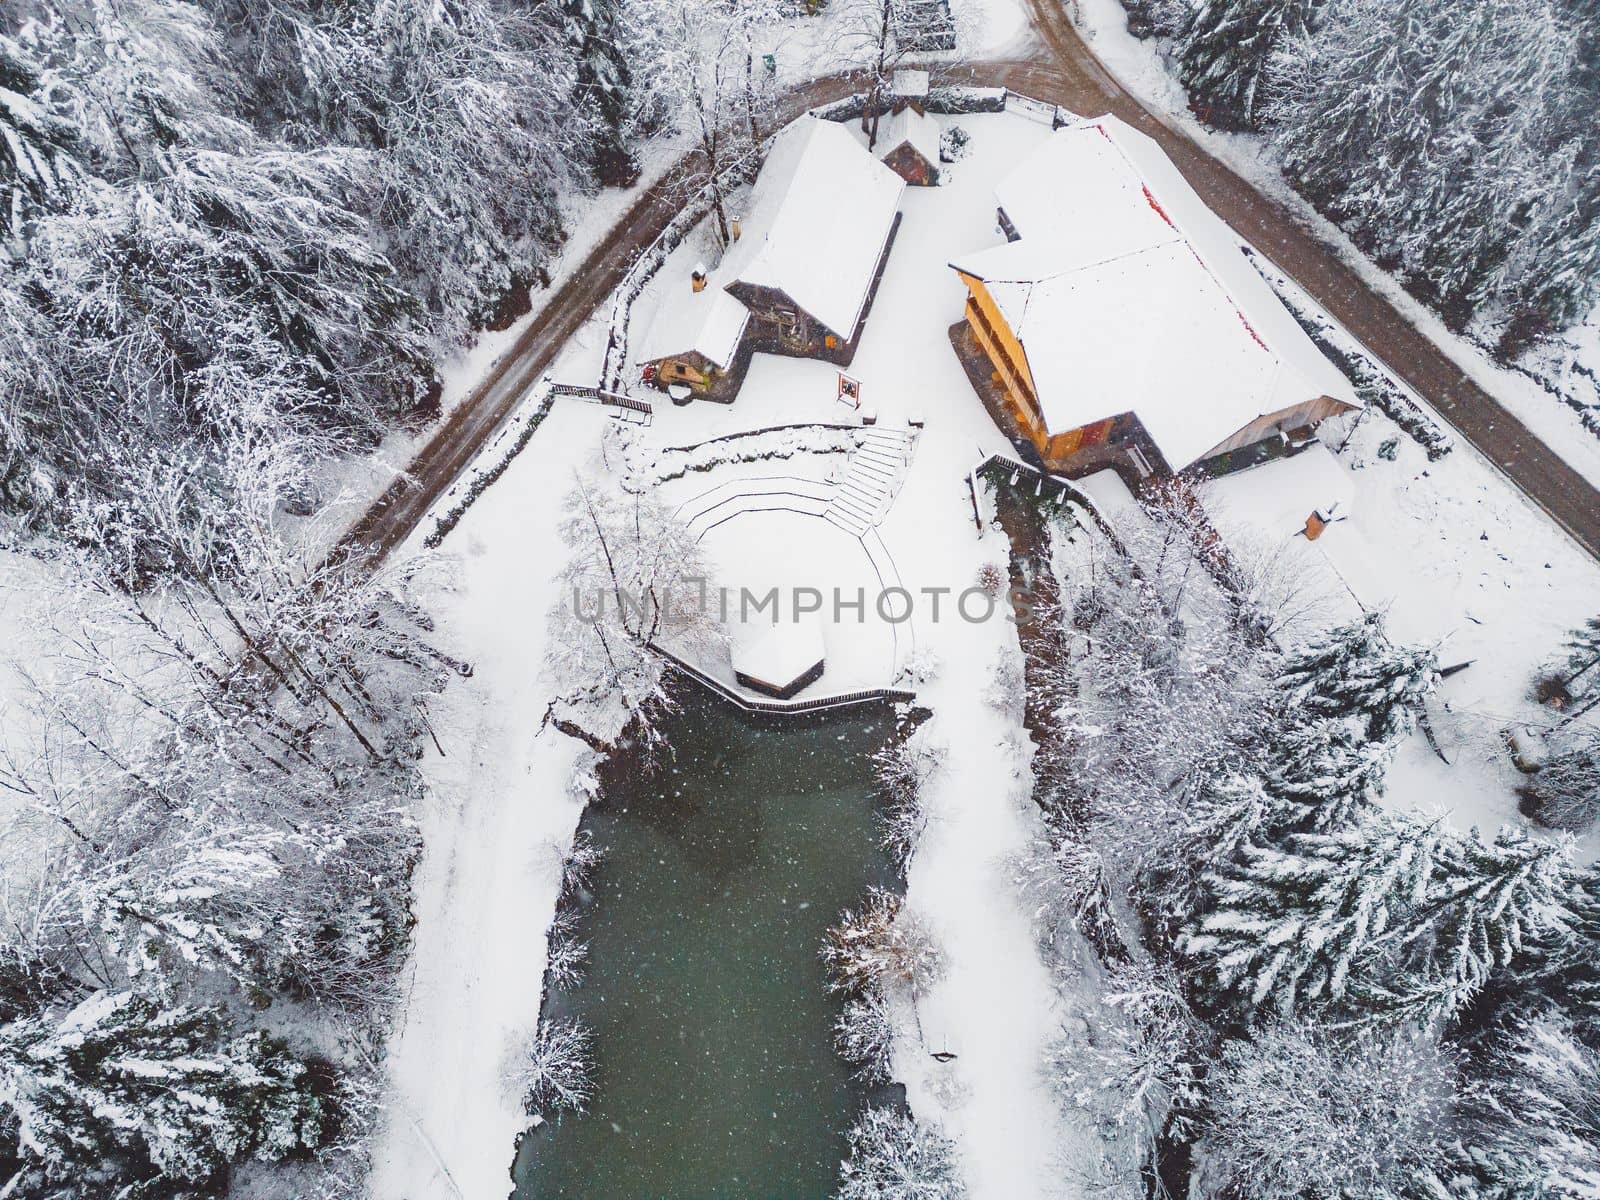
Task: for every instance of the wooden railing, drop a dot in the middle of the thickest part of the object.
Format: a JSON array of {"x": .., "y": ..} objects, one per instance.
[{"x": 601, "y": 396}]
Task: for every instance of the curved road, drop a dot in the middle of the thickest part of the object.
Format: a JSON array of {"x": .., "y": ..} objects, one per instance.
[{"x": 1068, "y": 74}]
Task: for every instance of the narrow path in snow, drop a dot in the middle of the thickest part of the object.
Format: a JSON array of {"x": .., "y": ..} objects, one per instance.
[{"x": 996, "y": 1008}]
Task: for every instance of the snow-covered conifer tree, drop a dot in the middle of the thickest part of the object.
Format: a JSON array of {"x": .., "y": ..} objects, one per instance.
[
  {"x": 121, "y": 1088},
  {"x": 1224, "y": 48},
  {"x": 1325, "y": 772},
  {"x": 1355, "y": 671},
  {"x": 605, "y": 83},
  {"x": 1286, "y": 928}
]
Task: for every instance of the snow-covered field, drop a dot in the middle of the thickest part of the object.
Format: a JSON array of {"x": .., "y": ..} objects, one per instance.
[{"x": 1456, "y": 555}]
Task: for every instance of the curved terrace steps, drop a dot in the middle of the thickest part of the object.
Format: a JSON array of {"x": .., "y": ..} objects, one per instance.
[
  {"x": 704, "y": 512},
  {"x": 872, "y": 477}
]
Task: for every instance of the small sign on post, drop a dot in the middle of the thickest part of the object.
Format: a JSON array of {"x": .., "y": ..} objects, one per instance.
[{"x": 849, "y": 391}]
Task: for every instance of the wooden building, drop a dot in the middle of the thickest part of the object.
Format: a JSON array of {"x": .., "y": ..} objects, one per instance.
[
  {"x": 1124, "y": 325},
  {"x": 823, "y": 214},
  {"x": 801, "y": 274}
]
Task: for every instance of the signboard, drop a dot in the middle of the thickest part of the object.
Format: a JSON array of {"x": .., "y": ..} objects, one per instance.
[{"x": 849, "y": 391}]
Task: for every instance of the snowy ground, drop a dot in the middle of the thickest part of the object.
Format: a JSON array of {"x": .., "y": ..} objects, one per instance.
[
  {"x": 1455, "y": 553},
  {"x": 1137, "y": 64}
]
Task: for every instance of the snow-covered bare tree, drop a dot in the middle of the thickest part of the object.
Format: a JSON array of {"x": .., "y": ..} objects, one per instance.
[
  {"x": 894, "y": 1156},
  {"x": 1301, "y": 1111},
  {"x": 635, "y": 579},
  {"x": 704, "y": 63},
  {"x": 882, "y": 944},
  {"x": 865, "y": 1035},
  {"x": 903, "y": 769},
  {"x": 1565, "y": 793},
  {"x": 555, "y": 1070}
]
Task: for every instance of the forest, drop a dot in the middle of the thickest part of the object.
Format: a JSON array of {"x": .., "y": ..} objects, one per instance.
[
  {"x": 1454, "y": 140},
  {"x": 238, "y": 239}
]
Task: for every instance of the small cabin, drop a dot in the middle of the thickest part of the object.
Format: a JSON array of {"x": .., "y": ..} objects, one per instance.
[
  {"x": 695, "y": 341},
  {"x": 778, "y": 659},
  {"x": 908, "y": 144},
  {"x": 1122, "y": 326}
]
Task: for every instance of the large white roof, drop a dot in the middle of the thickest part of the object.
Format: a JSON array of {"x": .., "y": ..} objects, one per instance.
[
  {"x": 710, "y": 322},
  {"x": 820, "y": 214},
  {"x": 1128, "y": 293}
]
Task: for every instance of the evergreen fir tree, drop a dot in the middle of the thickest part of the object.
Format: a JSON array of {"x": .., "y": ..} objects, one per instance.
[
  {"x": 1224, "y": 48},
  {"x": 1534, "y": 1126},
  {"x": 1286, "y": 928},
  {"x": 122, "y": 1089},
  {"x": 1325, "y": 774},
  {"x": 1355, "y": 671},
  {"x": 1387, "y": 920},
  {"x": 1493, "y": 898},
  {"x": 605, "y": 84},
  {"x": 38, "y": 149}
]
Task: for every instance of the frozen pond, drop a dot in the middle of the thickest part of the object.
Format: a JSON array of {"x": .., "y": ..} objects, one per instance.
[{"x": 715, "y": 1070}]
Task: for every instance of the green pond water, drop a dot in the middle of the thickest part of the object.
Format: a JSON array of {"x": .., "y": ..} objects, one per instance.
[{"x": 715, "y": 1070}]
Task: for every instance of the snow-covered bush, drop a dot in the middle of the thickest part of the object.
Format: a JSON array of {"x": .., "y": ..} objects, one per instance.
[
  {"x": 566, "y": 953},
  {"x": 1565, "y": 793},
  {"x": 893, "y": 1156},
  {"x": 881, "y": 945},
  {"x": 953, "y": 143},
  {"x": 1300, "y": 1111},
  {"x": 555, "y": 1070},
  {"x": 903, "y": 769},
  {"x": 864, "y": 1035},
  {"x": 1007, "y": 692}
]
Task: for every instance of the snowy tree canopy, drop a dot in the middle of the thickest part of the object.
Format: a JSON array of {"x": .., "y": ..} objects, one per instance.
[{"x": 120, "y": 1088}]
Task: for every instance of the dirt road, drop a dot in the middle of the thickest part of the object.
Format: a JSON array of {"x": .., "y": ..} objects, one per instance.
[{"x": 1065, "y": 72}]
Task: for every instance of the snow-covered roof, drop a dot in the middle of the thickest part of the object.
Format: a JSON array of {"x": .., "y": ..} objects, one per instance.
[
  {"x": 777, "y": 653},
  {"x": 819, "y": 217},
  {"x": 710, "y": 322},
  {"x": 908, "y": 126},
  {"x": 1128, "y": 293},
  {"x": 1277, "y": 496}
]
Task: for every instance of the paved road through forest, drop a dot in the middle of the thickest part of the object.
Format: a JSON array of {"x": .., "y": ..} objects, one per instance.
[{"x": 1062, "y": 71}]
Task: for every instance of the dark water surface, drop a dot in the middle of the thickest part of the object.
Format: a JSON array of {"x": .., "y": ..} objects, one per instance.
[{"x": 715, "y": 1071}]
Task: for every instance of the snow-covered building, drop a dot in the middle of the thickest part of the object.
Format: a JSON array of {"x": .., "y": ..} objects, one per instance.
[
  {"x": 800, "y": 275},
  {"x": 908, "y": 144},
  {"x": 778, "y": 658},
  {"x": 822, "y": 217},
  {"x": 695, "y": 341},
  {"x": 1125, "y": 326}
]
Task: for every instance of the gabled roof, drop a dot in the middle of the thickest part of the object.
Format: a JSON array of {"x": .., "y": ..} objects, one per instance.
[
  {"x": 909, "y": 127},
  {"x": 820, "y": 215},
  {"x": 709, "y": 323},
  {"x": 1128, "y": 293}
]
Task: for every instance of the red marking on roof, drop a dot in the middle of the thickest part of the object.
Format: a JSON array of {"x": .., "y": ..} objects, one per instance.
[{"x": 1149, "y": 198}]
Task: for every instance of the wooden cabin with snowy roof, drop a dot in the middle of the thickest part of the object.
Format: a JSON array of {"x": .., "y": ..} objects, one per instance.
[
  {"x": 822, "y": 216},
  {"x": 1123, "y": 326},
  {"x": 800, "y": 276}
]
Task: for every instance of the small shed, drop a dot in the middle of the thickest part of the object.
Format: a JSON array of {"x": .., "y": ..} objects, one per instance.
[
  {"x": 694, "y": 341},
  {"x": 779, "y": 658},
  {"x": 909, "y": 146}
]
